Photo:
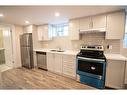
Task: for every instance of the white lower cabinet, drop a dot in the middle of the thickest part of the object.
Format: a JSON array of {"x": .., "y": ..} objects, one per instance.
[
  {"x": 115, "y": 74},
  {"x": 62, "y": 64},
  {"x": 54, "y": 62},
  {"x": 69, "y": 65},
  {"x": 50, "y": 62},
  {"x": 58, "y": 63}
]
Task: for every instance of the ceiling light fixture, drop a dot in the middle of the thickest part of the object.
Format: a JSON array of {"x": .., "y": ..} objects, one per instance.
[
  {"x": 27, "y": 22},
  {"x": 1, "y": 15},
  {"x": 57, "y": 14}
]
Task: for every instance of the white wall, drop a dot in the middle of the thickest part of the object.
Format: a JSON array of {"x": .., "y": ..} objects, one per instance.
[
  {"x": 36, "y": 43},
  {"x": 7, "y": 42},
  {"x": 16, "y": 32},
  {"x": 123, "y": 50},
  {"x": 91, "y": 38}
]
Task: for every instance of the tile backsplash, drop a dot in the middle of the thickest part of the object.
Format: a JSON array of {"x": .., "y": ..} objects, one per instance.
[{"x": 89, "y": 38}]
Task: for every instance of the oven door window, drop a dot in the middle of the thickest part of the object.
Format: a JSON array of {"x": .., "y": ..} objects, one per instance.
[{"x": 90, "y": 67}]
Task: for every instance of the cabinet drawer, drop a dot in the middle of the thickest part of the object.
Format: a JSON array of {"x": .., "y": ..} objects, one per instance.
[
  {"x": 69, "y": 71},
  {"x": 69, "y": 58},
  {"x": 69, "y": 65}
]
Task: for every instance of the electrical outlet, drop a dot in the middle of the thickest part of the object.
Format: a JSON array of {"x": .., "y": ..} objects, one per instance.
[{"x": 109, "y": 46}]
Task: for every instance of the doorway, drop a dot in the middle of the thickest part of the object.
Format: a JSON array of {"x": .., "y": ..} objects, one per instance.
[{"x": 6, "y": 50}]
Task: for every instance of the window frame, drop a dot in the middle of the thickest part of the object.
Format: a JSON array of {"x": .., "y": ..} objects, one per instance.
[
  {"x": 125, "y": 34},
  {"x": 56, "y": 27}
]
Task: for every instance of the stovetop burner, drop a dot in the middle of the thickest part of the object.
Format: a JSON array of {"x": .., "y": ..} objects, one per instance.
[
  {"x": 91, "y": 56},
  {"x": 94, "y": 51}
]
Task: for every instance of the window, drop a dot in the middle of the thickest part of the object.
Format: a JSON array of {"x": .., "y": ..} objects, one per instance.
[
  {"x": 60, "y": 30},
  {"x": 125, "y": 36}
]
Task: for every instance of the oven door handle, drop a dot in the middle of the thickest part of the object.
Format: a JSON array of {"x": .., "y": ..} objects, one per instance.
[{"x": 91, "y": 59}]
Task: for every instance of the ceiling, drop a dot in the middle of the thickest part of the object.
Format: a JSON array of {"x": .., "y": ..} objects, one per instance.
[{"x": 45, "y": 14}]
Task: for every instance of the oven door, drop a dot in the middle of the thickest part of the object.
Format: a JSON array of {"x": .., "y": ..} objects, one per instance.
[{"x": 91, "y": 67}]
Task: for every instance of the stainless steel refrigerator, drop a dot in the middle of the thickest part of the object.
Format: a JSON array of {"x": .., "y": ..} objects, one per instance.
[{"x": 26, "y": 47}]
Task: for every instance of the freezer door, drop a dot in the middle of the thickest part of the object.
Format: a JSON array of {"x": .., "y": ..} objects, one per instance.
[
  {"x": 25, "y": 57},
  {"x": 26, "y": 39}
]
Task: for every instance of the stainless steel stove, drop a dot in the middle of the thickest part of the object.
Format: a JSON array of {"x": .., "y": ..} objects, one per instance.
[{"x": 91, "y": 65}]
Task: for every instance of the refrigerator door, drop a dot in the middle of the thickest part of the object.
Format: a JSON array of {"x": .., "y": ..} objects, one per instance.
[
  {"x": 25, "y": 57},
  {"x": 26, "y": 39}
]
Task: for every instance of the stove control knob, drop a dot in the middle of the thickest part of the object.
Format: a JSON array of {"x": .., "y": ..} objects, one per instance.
[
  {"x": 93, "y": 68},
  {"x": 100, "y": 77}
]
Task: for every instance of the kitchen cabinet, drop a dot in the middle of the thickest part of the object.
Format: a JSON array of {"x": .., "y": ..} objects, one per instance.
[
  {"x": 74, "y": 29},
  {"x": 58, "y": 63},
  {"x": 85, "y": 23},
  {"x": 99, "y": 21},
  {"x": 50, "y": 61},
  {"x": 44, "y": 33},
  {"x": 92, "y": 22},
  {"x": 115, "y": 25},
  {"x": 69, "y": 65},
  {"x": 126, "y": 74},
  {"x": 115, "y": 73},
  {"x": 54, "y": 62},
  {"x": 29, "y": 28},
  {"x": 62, "y": 64}
]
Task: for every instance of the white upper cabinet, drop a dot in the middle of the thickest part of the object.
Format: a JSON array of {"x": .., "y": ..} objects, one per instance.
[
  {"x": 92, "y": 23},
  {"x": 74, "y": 29},
  {"x": 29, "y": 28},
  {"x": 115, "y": 25},
  {"x": 99, "y": 21},
  {"x": 44, "y": 33},
  {"x": 85, "y": 23}
]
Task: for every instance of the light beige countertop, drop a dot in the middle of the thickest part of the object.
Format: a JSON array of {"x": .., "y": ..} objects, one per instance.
[
  {"x": 68, "y": 52},
  {"x": 74, "y": 52},
  {"x": 1, "y": 48},
  {"x": 115, "y": 56}
]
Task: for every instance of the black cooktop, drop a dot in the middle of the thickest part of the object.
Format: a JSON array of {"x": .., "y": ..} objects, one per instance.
[{"x": 91, "y": 54}]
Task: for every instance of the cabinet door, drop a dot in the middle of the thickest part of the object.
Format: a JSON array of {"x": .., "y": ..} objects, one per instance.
[
  {"x": 99, "y": 21},
  {"x": 125, "y": 75},
  {"x": 40, "y": 31},
  {"x": 74, "y": 29},
  {"x": 50, "y": 61},
  {"x": 44, "y": 33},
  {"x": 69, "y": 65},
  {"x": 115, "y": 73},
  {"x": 28, "y": 29},
  {"x": 58, "y": 63},
  {"x": 115, "y": 25},
  {"x": 85, "y": 23}
]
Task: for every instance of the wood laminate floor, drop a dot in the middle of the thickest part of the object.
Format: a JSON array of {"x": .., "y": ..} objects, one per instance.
[{"x": 22, "y": 78}]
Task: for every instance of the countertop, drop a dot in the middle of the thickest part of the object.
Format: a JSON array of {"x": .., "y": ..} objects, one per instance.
[
  {"x": 68, "y": 52},
  {"x": 110, "y": 56},
  {"x": 115, "y": 56},
  {"x": 1, "y": 48}
]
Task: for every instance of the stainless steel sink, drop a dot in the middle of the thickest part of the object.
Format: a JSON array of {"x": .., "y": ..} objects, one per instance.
[
  {"x": 57, "y": 50},
  {"x": 60, "y": 50}
]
